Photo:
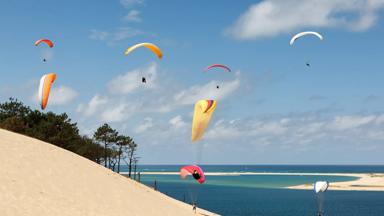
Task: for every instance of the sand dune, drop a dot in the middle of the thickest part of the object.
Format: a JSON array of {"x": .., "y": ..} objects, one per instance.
[{"x": 38, "y": 179}]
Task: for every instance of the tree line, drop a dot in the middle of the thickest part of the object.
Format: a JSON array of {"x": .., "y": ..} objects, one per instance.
[{"x": 106, "y": 146}]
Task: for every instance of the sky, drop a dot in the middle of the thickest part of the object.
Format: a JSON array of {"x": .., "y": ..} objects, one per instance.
[{"x": 271, "y": 109}]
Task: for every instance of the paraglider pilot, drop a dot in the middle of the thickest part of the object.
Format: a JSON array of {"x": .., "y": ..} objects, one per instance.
[
  {"x": 143, "y": 80},
  {"x": 196, "y": 175}
]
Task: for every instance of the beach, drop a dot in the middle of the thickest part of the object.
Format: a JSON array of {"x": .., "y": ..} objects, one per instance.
[
  {"x": 37, "y": 178},
  {"x": 365, "y": 182}
]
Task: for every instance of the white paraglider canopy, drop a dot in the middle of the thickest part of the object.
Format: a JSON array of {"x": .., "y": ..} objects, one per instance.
[
  {"x": 301, "y": 34},
  {"x": 321, "y": 186}
]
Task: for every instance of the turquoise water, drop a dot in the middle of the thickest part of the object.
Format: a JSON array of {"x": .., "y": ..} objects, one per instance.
[
  {"x": 247, "y": 181},
  {"x": 265, "y": 195},
  {"x": 270, "y": 168}
]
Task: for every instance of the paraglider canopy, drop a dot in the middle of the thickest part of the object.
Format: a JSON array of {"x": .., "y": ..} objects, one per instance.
[
  {"x": 46, "y": 41},
  {"x": 217, "y": 66},
  {"x": 193, "y": 170},
  {"x": 320, "y": 186},
  {"x": 202, "y": 116},
  {"x": 156, "y": 50},
  {"x": 301, "y": 34},
  {"x": 46, "y": 82}
]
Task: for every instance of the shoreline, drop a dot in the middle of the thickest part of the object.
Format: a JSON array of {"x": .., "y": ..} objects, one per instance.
[
  {"x": 364, "y": 181},
  {"x": 358, "y": 175}
]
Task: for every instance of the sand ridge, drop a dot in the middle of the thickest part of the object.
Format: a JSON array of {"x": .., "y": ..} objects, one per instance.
[{"x": 37, "y": 179}]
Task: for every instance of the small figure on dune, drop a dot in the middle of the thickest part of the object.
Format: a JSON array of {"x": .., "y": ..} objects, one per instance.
[{"x": 194, "y": 206}]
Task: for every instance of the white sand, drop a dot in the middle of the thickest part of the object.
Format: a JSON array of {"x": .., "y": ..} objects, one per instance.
[
  {"x": 38, "y": 179},
  {"x": 365, "y": 182}
]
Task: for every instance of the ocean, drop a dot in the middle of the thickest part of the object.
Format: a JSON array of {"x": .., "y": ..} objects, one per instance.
[{"x": 266, "y": 195}]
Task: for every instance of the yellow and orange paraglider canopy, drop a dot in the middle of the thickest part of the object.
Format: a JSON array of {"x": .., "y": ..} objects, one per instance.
[
  {"x": 150, "y": 46},
  {"x": 203, "y": 113},
  {"x": 46, "y": 82}
]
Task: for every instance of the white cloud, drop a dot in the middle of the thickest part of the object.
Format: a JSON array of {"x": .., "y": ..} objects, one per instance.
[
  {"x": 147, "y": 124},
  {"x": 273, "y": 17},
  {"x": 128, "y": 97},
  {"x": 131, "y": 81},
  {"x": 93, "y": 106},
  {"x": 131, "y": 3},
  {"x": 208, "y": 91},
  {"x": 350, "y": 122},
  {"x": 300, "y": 131},
  {"x": 132, "y": 16},
  {"x": 177, "y": 122},
  {"x": 99, "y": 35},
  {"x": 123, "y": 33},
  {"x": 60, "y": 95},
  {"x": 115, "y": 114},
  {"x": 116, "y": 35}
]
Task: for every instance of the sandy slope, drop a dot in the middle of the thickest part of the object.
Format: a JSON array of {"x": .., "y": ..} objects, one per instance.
[{"x": 38, "y": 179}]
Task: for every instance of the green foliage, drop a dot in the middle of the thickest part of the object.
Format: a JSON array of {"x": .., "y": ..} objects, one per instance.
[
  {"x": 13, "y": 123},
  {"x": 106, "y": 135},
  {"x": 107, "y": 146},
  {"x": 48, "y": 127},
  {"x": 14, "y": 108}
]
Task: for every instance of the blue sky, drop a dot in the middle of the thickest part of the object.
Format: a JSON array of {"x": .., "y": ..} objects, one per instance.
[{"x": 272, "y": 109}]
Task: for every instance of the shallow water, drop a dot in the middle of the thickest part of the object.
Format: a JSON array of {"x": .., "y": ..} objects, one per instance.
[
  {"x": 265, "y": 194},
  {"x": 271, "y": 168},
  {"x": 248, "y": 181}
]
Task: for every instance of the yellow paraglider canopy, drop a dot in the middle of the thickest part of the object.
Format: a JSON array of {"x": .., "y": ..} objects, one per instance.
[
  {"x": 150, "y": 46},
  {"x": 201, "y": 117}
]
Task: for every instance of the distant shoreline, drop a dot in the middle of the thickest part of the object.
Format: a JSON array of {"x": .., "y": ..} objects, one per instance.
[
  {"x": 364, "y": 181},
  {"x": 358, "y": 175}
]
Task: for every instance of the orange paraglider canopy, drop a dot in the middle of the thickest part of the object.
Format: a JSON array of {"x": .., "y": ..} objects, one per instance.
[
  {"x": 46, "y": 41},
  {"x": 46, "y": 82}
]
